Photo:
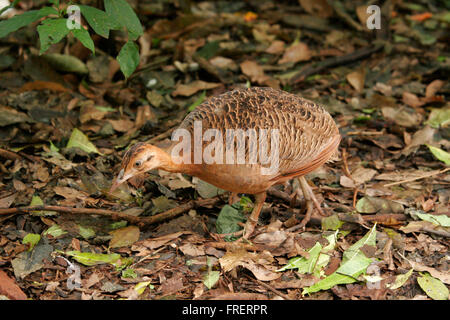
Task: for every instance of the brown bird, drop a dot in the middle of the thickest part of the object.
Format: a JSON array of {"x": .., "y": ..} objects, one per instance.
[{"x": 245, "y": 141}]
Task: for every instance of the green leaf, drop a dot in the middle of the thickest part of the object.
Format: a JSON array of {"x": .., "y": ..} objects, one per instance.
[
  {"x": 228, "y": 219},
  {"x": 439, "y": 220},
  {"x": 128, "y": 58},
  {"x": 129, "y": 273},
  {"x": 439, "y": 117},
  {"x": 331, "y": 223},
  {"x": 318, "y": 258},
  {"x": 140, "y": 287},
  {"x": 121, "y": 11},
  {"x": 302, "y": 264},
  {"x": 400, "y": 280},
  {"x": 80, "y": 140},
  {"x": 211, "y": 278},
  {"x": 55, "y": 231},
  {"x": 53, "y": 148},
  {"x": 21, "y": 20},
  {"x": 52, "y": 31},
  {"x": 37, "y": 201},
  {"x": 66, "y": 63},
  {"x": 328, "y": 283},
  {"x": 197, "y": 102},
  {"x": 354, "y": 261},
  {"x": 84, "y": 37},
  {"x": 92, "y": 259},
  {"x": 245, "y": 205},
  {"x": 118, "y": 224},
  {"x": 31, "y": 238},
  {"x": 433, "y": 287},
  {"x": 209, "y": 50},
  {"x": 86, "y": 232},
  {"x": 99, "y": 20},
  {"x": 440, "y": 154}
]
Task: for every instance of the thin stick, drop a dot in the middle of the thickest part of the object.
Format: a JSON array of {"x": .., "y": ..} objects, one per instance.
[
  {"x": 315, "y": 68},
  {"x": 172, "y": 213},
  {"x": 269, "y": 287},
  {"x": 9, "y": 155},
  {"x": 417, "y": 178},
  {"x": 115, "y": 214}
]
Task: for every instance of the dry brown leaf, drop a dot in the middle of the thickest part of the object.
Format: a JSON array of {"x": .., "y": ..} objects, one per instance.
[
  {"x": 276, "y": 47},
  {"x": 361, "y": 175},
  {"x": 402, "y": 116},
  {"x": 411, "y": 99},
  {"x": 124, "y": 237},
  {"x": 158, "y": 242},
  {"x": 144, "y": 114},
  {"x": 93, "y": 279},
  {"x": 122, "y": 125},
  {"x": 362, "y": 14},
  {"x": 270, "y": 239},
  {"x": 256, "y": 74},
  {"x": 192, "y": 250},
  {"x": 251, "y": 261},
  {"x": 383, "y": 88},
  {"x": 70, "y": 193},
  {"x": 346, "y": 182},
  {"x": 420, "y": 137},
  {"x": 443, "y": 276},
  {"x": 43, "y": 85},
  {"x": 19, "y": 185},
  {"x": 253, "y": 70},
  {"x": 40, "y": 172},
  {"x": 193, "y": 87},
  {"x": 172, "y": 285},
  {"x": 433, "y": 88},
  {"x": 9, "y": 288},
  {"x": 357, "y": 79},
  {"x": 223, "y": 63},
  {"x": 295, "y": 53},
  {"x": 90, "y": 112},
  {"x": 260, "y": 272},
  {"x": 319, "y": 8}
]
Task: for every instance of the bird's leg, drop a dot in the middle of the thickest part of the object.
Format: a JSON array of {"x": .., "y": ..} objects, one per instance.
[
  {"x": 233, "y": 198},
  {"x": 310, "y": 200},
  {"x": 253, "y": 219}
]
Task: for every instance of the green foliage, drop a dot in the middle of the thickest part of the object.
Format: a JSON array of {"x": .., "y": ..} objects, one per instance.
[
  {"x": 128, "y": 58},
  {"x": 58, "y": 24}
]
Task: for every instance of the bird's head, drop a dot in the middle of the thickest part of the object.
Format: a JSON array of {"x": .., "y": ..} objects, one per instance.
[{"x": 140, "y": 158}]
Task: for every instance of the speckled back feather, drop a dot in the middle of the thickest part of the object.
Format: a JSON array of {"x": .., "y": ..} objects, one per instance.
[{"x": 307, "y": 131}]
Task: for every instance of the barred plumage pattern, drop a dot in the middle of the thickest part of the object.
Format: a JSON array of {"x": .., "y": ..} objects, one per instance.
[{"x": 307, "y": 132}]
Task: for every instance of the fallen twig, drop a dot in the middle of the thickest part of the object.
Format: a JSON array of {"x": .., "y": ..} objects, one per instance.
[
  {"x": 427, "y": 175},
  {"x": 269, "y": 287},
  {"x": 9, "y": 155},
  {"x": 115, "y": 214},
  {"x": 317, "y": 67}
]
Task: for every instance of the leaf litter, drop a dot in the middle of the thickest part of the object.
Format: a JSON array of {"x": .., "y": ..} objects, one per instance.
[{"x": 62, "y": 138}]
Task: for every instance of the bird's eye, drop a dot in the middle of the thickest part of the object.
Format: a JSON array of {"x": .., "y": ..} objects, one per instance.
[{"x": 137, "y": 163}]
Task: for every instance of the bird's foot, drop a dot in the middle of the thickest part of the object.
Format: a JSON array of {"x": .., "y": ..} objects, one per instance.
[
  {"x": 233, "y": 198},
  {"x": 249, "y": 228}
]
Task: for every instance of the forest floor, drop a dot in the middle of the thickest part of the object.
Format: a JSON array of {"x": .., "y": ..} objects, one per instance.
[{"x": 63, "y": 135}]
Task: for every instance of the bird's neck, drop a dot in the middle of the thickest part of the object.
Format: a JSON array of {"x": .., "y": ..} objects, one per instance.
[{"x": 168, "y": 163}]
